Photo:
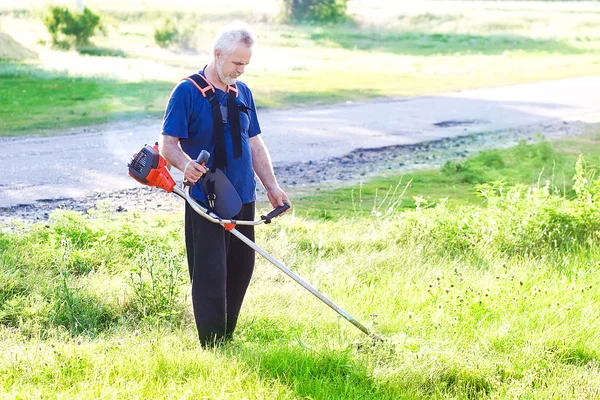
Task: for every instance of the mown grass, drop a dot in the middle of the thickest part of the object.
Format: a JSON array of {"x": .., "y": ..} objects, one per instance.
[
  {"x": 474, "y": 301},
  {"x": 32, "y": 102},
  {"x": 388, "y": 51}
]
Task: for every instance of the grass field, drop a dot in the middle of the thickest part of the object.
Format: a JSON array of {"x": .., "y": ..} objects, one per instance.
[
  {"x": 482, "y": 297},
  {"x": 388, "y": 51},
  {"x": 481, "y": 276}
]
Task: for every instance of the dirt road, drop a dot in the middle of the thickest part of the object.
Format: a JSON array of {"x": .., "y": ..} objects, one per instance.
[{"x": 44, "y": 170}]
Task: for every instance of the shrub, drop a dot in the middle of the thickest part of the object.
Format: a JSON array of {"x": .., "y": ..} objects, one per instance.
[
  {"x": 319, "y": 11},
  {"x": 68, "y": 29},
  {"x": 166, "y": 34},
  {"x": 478, "y": 169}
]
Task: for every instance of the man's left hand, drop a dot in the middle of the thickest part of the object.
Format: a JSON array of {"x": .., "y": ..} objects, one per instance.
[{"x": 277, "y": 197}]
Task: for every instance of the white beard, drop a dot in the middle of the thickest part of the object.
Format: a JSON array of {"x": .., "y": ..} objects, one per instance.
[{"x": 229, "y": 79}]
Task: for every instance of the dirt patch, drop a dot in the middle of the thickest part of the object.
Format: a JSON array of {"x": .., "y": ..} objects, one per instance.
[{"x": 13, "y": 50}]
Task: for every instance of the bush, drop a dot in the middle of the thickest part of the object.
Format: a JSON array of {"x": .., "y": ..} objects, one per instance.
[
  {"x": 319, "y": 11},
  {"x": 76, "y": 310},
  {"x": 166, "y": 34},
  {"x": 68, "y": 29},
  {"x": 484, "y": 167}
]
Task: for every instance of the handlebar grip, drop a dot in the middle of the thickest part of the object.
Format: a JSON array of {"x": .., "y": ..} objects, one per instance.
[
  {"x": 275, "y": 212},
  {"x": 203, "y": 157}
]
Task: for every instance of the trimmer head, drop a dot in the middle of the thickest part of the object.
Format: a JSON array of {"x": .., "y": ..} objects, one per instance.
[{"x": 148, "y": 167}]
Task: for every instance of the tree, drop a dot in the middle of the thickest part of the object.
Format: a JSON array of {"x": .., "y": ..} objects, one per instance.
[{"x": 67, "y": 28}]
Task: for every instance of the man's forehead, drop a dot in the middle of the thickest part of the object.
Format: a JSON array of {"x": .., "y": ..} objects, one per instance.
[{"x": 241, "y": 54}]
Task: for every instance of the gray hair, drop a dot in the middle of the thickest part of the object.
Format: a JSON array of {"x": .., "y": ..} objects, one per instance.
[{"x": 231, "y": 35}]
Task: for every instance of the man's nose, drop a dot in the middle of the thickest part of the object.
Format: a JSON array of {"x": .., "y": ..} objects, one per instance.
[{"x": 240, "y": 69}]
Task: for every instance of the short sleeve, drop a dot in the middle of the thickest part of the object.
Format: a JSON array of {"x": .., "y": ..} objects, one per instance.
[
  {"x": 177, "y": 113},
  {"x": 248, "y": 99},
  {"x": 254, "y": 128}
]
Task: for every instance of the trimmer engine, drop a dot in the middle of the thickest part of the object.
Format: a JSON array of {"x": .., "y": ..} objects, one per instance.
[{"x": 148, "y": 167}]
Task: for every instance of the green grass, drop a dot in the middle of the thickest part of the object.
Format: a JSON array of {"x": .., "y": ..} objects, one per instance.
[
  {"x": 33, "y": 103},
  {"x": 474, "y": 301},
  {"x": 456, "y": 180},
  {"x": 389, "y": 51}
]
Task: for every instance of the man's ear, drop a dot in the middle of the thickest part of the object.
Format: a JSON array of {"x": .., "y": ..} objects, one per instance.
[{"x": 217, "y": 54}]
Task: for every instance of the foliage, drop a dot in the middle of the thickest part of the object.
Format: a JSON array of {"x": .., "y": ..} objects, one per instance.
[
  {"x": 525, "y": 163},
  {"x": 166, "y": 34},
  {"x": 100, "y": 51},
  {"x": 517, "y": 219},
  {"x": 47, "y": 269},
  {"x": 317, "y": 11},
  {"x": 47, "y": 101},
  {"x": 494, "y": 43},
  {"x": 156, "y": 280},
  {"x": 68, "y": 29}
]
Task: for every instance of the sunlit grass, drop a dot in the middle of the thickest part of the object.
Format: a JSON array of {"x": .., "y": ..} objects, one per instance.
[
  {"x": 526, "y": 163},
  {"x": 494, "y": 300},
  {"x": 389, "y": 51}
]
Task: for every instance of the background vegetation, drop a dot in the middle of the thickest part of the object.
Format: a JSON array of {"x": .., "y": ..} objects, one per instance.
[
  {"x": 315, "y": 11},
  {"x": 68, "y": 28},
  {"x": 385, "y": 49}
]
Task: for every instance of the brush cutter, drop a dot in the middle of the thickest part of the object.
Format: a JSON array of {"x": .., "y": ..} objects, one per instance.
[{"x": 150, "y": 168}]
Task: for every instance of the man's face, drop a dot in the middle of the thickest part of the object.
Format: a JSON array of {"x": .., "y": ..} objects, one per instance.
[{"x": 231, "y": 66}]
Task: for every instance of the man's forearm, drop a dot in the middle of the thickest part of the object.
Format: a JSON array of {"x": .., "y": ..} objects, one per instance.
[
  {"x": 170, "y": 150},
  {"x": 261, "y": 162}
]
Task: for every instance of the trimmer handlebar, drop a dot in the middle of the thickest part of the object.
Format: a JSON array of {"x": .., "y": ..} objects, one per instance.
[
  {"x": 277, "y": 211},
  {"x": 203, "y": 157},
  {"x": 203, "y": 211},
  {"x": 202, "y": 160}
]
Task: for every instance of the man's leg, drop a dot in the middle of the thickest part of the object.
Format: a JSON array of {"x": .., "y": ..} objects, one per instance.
[
  {"x": 240, "y": 265},
  {"x": 206, "y": 245}
]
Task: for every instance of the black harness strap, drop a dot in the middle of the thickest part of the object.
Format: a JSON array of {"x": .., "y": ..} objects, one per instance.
[
  {"x": 219, "y": 120},
  {"x": 234, "y": 120}
]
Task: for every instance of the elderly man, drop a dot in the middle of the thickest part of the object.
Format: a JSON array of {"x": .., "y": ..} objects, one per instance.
[{"x": 213, "y": 111}]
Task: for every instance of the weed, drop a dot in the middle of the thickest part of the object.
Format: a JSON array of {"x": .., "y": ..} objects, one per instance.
[
  {"x": 155, "y": 283},
  {"x": 73, "y": 308}
]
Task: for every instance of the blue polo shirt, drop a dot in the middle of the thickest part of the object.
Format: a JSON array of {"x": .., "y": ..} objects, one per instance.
[{"x": 189, "y": 117}]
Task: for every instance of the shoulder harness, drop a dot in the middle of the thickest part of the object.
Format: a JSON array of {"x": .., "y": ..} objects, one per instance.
[{"x": 220, "y": 115}]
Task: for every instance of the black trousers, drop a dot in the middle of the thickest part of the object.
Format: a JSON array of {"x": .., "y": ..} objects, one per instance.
[{"x": 220, "y": 268}]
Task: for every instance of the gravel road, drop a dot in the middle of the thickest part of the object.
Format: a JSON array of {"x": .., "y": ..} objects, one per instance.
[{"x": 310, "y": 146}]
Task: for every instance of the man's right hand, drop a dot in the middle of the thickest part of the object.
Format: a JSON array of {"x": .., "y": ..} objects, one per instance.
[{"x": 194, "y": 171}]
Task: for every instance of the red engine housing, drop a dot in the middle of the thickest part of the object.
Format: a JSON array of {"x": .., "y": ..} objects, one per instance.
[{"x": 148, "y": 167}]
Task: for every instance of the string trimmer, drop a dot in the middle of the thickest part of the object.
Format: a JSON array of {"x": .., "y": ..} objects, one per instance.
[{"x": 150, "y": 168}]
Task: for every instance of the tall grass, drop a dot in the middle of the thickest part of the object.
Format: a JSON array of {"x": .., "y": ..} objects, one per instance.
[{"x": 473, "y": 302}]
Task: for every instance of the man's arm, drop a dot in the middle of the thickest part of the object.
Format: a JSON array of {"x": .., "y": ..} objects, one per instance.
[
  {"x": 171, "y": 151},
  {"x": 261, "y": 162}
]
